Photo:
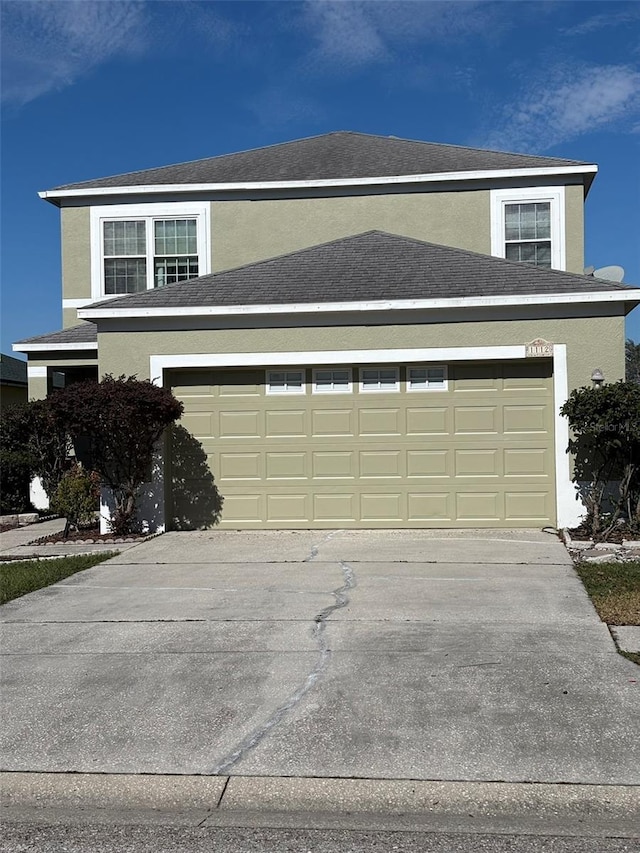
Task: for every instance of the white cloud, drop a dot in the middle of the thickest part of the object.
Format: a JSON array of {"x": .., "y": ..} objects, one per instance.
[
  {"x": 600, "y": 22},
  {"x": 49, "y": 45},
  {"x": 360, "y": 32},
  {"x": 567, "y": 103}
]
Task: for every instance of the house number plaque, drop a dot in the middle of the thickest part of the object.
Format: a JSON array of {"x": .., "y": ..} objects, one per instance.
[{"x": 538, "y": 349}]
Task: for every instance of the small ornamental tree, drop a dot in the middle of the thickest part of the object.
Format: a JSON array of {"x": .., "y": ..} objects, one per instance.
[
  {"x": 115, "y": 425},
  {"x": 605, "y": 423}
]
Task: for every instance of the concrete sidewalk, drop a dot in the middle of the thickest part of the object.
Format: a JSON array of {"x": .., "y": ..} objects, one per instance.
[{"x": 419, "y": 655}]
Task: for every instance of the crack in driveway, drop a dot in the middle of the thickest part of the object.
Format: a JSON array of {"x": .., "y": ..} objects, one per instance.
[{"x": 319, "y": 631}]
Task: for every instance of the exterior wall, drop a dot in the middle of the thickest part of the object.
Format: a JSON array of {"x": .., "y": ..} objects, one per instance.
[
  {"x": 591, "y": 342},
  {"x": 76, "y": 258},
  {"x": 574, "y": 226},
  {"x": 246, "y": 231},
  {"x": 42, "y": 363},
  {"x": 12, "y": 395}
]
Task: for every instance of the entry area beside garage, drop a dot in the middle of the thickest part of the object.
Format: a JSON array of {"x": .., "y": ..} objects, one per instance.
[{"x": 465, "y": 444}]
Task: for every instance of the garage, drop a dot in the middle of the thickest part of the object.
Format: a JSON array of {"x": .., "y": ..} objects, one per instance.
[{"x": 362, "y": 446}]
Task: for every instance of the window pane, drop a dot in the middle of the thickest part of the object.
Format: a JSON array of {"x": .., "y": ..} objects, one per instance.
[
  {"x": 512, "y": 222},
  {"x": 538, "y": 254},
  {"x": 125, "y": 275},
  {"x": 543, "y": 220},
  {"x": 175, "y": 237},
  {"x": 125, "y": 238},
  {"x": 170, "y": 270}
]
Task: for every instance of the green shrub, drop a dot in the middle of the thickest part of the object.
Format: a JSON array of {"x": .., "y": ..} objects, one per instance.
[{"x": 77, "y": 497}]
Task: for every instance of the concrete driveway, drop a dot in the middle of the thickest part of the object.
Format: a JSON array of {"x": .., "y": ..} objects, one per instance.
[{"x": 403, "y": 655}]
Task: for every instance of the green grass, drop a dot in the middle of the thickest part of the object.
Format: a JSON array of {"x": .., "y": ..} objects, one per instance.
[
  {"x": 614, "y": 589},
  {"x": 20, "y": 577}
]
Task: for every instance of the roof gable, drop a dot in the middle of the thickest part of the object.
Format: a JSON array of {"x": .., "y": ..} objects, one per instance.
[
  {"x": 374, "y": 266},
  {"x": 331, "y": 156}
]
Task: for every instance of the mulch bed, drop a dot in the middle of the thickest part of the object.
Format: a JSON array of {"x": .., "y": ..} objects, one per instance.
[
  {"x": 90, "y": 536},
  {"x": 582, "y": 533}
]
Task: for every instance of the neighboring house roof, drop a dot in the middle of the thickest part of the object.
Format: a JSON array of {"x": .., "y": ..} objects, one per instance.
[
  {"x": 13, "y": 371},
  {"x": 374, "y": 266},
  {"x": 339, "y": 155},
  {"x": 83, "y": 336}
]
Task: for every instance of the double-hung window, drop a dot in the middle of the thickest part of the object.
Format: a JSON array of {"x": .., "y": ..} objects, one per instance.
[
  {"x": 527, "y": 225},
  {"x": 140, "y": 247}
]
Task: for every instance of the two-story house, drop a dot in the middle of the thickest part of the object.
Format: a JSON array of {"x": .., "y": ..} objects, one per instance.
[{"x": 365, "y": 331}]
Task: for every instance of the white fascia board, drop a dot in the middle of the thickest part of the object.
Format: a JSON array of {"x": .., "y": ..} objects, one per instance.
[
  {"x": 433, "y": 177},
  {"x": 632, "y": 295},
  {"x": 53, "y": 347}
]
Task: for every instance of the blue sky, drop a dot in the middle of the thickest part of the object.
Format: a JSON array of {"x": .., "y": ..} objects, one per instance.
[{"x": 97, "y": 88}]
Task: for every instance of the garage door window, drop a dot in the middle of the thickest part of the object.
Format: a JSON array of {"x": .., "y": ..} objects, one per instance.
[
  {"x": 427, "y": 379},
  {"x": 379, "y": 379},
  {"x": 285, "y": 382},
  {"x": 332, "y": 381}
]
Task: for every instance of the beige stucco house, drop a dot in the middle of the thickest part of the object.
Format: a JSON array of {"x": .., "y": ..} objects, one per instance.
[{"x": 365, "y": 331}]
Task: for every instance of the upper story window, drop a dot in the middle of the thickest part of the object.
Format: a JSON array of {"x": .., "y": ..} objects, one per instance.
[
  {"x": 527, "y": 225},
  {"x": 139, "y": 247}
]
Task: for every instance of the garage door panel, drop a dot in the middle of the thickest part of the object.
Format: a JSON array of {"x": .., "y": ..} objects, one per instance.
[
  {"x": 428, "y": 420},
  {"x": 335, "y": 422},
  {"x": 477, "y": 463},
  {"x": 292, "y": 508},
  {"x": 527, "y": 506},
  {"x": 287, "y": 423},
  {"x": 526, "y": 418},
  {"x": 430, "y": 506},
  {"x": 380, "y": 463},
  {"x": 428, "y": 463},
  {"x": 381, "y": 507},
  {"x": 529, "y": 462},
  {"x": 470, "y": 420},
  {"x": 334, "y": 465},
  {"x": 478, "y": 453},
  {"x": 380, "y": 422},
  {"x": 240, "y": 424},
  {"x": 240, "y": 466},
  {"x": 337, "y": 507},
  {"x": 479, "y": 506},
  {"x": 286, "y": 466}
]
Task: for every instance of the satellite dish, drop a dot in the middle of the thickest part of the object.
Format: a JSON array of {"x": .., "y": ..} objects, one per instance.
[
  {"x": 589, "y": 270},
  {"x": 612, "y": 273}
]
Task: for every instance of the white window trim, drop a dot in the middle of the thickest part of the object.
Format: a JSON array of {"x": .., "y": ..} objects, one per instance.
[
  {"x": 286, "y": 392},
  {"x": 554, "y": 195},
  {"x": 102, "y": 213},
  {"x": 426, "y": 388},
  {"x": 346, "y": 389},
  {"x": 394, "y": 390}
]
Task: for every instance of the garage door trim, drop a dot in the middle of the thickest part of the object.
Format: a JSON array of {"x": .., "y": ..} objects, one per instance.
[{"x": 567, "y": 507}]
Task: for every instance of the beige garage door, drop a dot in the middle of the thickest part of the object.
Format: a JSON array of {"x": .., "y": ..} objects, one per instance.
[{"x": 458, "y": 445}]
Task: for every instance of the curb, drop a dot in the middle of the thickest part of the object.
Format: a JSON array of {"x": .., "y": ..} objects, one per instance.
[{"x": 229, "y": 795}]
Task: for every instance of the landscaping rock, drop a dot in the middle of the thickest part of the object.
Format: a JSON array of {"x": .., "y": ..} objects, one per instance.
[{"x": 601, "y": 558}]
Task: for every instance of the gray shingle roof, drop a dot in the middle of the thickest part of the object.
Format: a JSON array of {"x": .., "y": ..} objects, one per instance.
[
  {"x": 370, "y": 266},
  {"x": 85, "y": 333},
  {"x": 13, "y": 371},
  {"x": 343, "y": 154}
]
